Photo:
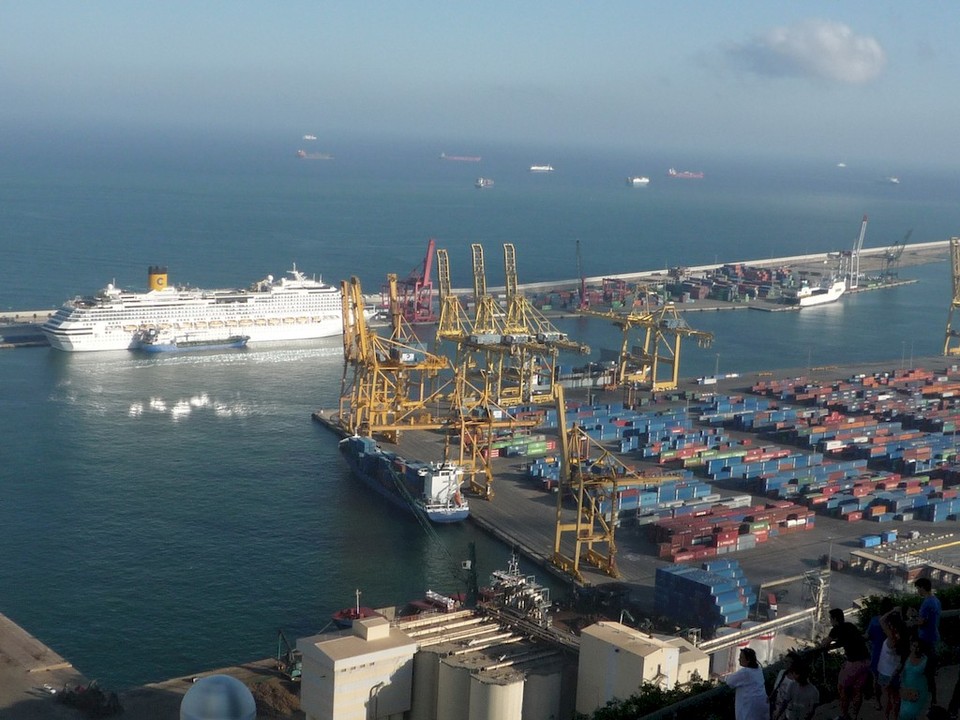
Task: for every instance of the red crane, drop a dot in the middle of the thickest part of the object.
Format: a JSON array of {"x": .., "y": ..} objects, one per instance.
[{"x": 416, "y": 291}]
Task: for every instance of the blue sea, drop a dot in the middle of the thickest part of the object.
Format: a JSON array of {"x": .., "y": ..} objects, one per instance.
[{"x": 163, "y": 516}]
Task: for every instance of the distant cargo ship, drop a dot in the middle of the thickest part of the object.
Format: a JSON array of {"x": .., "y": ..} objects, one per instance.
[
  {"x": 430, "y": 489},
  {"x": 541, "y": 168},
  {"x": 304, "y": 155},
  {"x": 638, "y": 181},
  {"x": 483, "y": 183},
  {"x": 685, "y": 174},
  {"x": 460, "y": 158}
]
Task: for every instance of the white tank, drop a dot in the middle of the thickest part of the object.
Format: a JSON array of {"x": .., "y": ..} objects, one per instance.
[
  {"x": 453, "y": 688},
  {"x": 542, "y": 693},
  {"x": 497, "y": 695},
  {"x": 218, "y": 697},
  {"x": 426, "y": 671},
  {"x": 762, "y": 645},
  {"x": 724, "y": 661}
]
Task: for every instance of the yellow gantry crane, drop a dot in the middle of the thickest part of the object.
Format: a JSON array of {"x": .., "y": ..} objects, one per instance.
[
  {"x": 950, "y": 346},
  {"x": 536, "y": 342},
  {"x": 592, "y": 478},
  {"x": 476, "y": 410},
  {"x": 642, "y": 366},
  {"x": 395, "y": 380}
]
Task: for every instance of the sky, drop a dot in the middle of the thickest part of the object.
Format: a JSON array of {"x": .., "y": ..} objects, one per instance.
[{"x": 856, "y": 79}]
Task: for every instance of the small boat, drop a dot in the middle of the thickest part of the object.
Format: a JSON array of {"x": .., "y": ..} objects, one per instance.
[
  {"x": 893, "y": 180},
  {"x": 344, "y": 618},
  {"x": 541, "y": 168},
  {"x": 157, "y": 341},
  {"x": 483, "y": 183},
  {"x": 638, "y": 181}
]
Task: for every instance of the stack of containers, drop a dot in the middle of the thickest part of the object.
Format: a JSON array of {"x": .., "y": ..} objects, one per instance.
[
  {"x": 712, "y": 596},
  {"x": 709, "y": 532}
]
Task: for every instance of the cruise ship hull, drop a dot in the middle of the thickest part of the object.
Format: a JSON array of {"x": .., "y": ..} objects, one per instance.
[{"x": 270, "y": 311}]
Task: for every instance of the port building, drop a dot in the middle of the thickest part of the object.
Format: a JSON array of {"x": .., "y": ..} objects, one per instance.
[
  {"x": 616, "y": 660},
  {"x": 467, "y": 665}
]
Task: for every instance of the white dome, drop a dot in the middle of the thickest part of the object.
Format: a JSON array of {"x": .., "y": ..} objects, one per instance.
[{"x": 218, "y": 697}]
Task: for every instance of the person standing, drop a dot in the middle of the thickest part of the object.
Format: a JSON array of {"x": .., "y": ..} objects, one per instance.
[
  {"x": 855, "y": 672},
  {"x": 927, "y": 625},
  {"x": 802, "y": 696},
  {"x": 894, "y": 652},
  {"x": 783, "y": 681},
  {"x": 751, "y": 696},
  {"x": 876, "y": 637},
  {"x": 914, "y": 686}
]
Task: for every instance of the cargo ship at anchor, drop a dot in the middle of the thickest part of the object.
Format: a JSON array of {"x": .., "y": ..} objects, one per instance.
[
  {"x": 429, "y": 489},
  {"x": 288, "y": 308},
  {"x": 685, "y": 174},
  {"x": 460, "y": 158}
]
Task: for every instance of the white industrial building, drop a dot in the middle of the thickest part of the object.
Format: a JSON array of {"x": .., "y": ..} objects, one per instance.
[
  {"x": 366, "y": 674},
  {"x": 442, "y": 666},
  {"x": 615, "y": 660}
]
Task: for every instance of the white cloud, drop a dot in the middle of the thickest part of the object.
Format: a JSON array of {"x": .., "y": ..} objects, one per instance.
[{"x": 813, "y": 48}]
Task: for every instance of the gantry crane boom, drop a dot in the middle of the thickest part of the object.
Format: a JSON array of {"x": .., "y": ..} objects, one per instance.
[
  {"x": 854, "y": 278},
  {"x": 415, "y": 292}
]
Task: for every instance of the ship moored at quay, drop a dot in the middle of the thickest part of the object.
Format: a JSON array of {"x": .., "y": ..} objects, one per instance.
[
  {"x": 271, "y": 310},
  {"x": 428, "y": 488}
]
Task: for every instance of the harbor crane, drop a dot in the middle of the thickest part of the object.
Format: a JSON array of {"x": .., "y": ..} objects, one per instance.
[
  {"x": 891, "y": 259},
  {"x": 592, "y": 477},
  {"x": 642, "y": 366},
  {"x": 395, "y": 380},
  {"x": 853, "y": 274},
  {"x": 951, "y": 344},
  {"x": 584, "y": 302},
  {"x": 415, "y": 291},
  {"x": 476, "y": 413}
]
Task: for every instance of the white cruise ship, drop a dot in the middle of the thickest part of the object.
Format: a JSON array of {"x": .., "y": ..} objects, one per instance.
[{"x": 291, "y": 308}]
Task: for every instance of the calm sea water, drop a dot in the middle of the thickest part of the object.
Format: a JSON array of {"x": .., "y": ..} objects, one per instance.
[{"x": 161, "y": 516}]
